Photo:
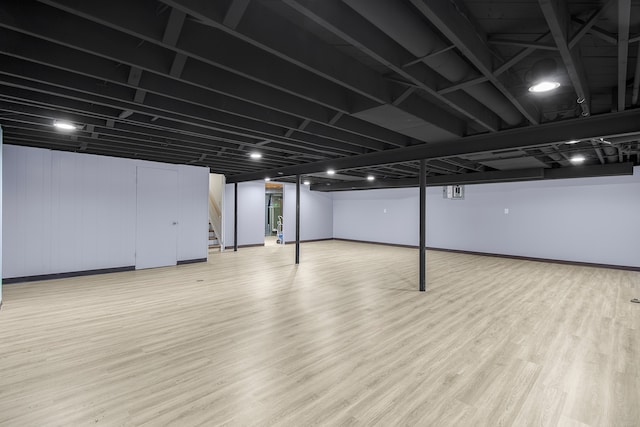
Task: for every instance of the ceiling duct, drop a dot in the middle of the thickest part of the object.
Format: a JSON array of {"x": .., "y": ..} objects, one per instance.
[{"x": 409, "y": 30}]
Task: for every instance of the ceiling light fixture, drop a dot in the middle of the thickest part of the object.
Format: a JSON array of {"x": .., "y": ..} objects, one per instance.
[
  {"x": 371, "y": 178},
  {"x": 573, "y": 141},
  {"x": 331, "y": 172},
  {"x": 577, "y": 159},
  {"x": 307, "y": 183},
  {"x": 544, "y": 86},
  {"x": 267, "y": 179},
  {"x": 542, "y": 76},
  {"x": 255, "y": 155},
  {"x": 64, "y": 125}
]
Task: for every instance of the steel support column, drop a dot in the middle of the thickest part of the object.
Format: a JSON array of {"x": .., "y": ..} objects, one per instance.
[
  {"x": 297, "y": 219},
  {"x": 423, "y": 223},
  {"x": 235, "y": 217}
]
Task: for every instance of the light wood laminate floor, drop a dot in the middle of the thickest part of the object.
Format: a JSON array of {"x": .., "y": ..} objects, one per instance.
[{"x": 342, "y": 339}]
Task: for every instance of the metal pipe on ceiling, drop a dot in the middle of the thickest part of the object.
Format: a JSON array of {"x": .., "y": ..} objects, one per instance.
[{"x": 410, "y": 31}]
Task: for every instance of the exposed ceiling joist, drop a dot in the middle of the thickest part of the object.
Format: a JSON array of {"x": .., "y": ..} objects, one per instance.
[
  {"x": 589, "y": 23},
  {"x": 557, "y": 17},
  {"x": 613, "y": 124},
  {"x": 624, "y": 17},
  {"x": 491, "y": 177},
  {"x": 464, "y": 36},
  {"x": 338, "y": 19}
]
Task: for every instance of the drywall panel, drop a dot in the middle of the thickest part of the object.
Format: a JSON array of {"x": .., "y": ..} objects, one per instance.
[
  {"x": 583, "y": 220},
  {"x": 193, "y": 213},
  {"x": 316, "y": 214},
  {"x": 27, "y": 223},
  {"x": 575, "y": 219},
  {"x": 385, "y": 216},
  {"x": 250, "y": 213},
  {"x": 69, "y": 212},
  {"x": 92, "y": 208}
]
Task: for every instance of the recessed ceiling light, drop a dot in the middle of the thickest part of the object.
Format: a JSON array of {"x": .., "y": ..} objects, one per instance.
[
  {"x": 307, "y": 183},
  {"x": 267, "y": 179},
  {"x": 255, "y": 155},
  {"x": 544, "y": 86},
  {"x": 64, "y": 125},
  {"x": 573, "y": 141},
  {"x": 577, "y": 159},
  {"x": 371, "y": 178},
  {"x": 331, "y": 172}
]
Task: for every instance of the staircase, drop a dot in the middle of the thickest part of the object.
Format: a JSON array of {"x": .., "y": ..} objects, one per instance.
[
  {"x": 213, "y": 238},
  {"x": 216, "y": 186}
]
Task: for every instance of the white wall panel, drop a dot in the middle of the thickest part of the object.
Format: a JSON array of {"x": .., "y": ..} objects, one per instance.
[
  {"x": 250, "y": 213},
  {"x": 26, "y": 239},
  {"x": 583, "y": 220},
  {"x": 93, "y": 212},
  {"x": 193, "y": 234},
  {"x": 227, "y": 215},
  {"x": 574, "y": 219},
  {"x": 385, "y": 216},
  {"x": 316, "y": 214},
  {"x": 69, "y": 212}
]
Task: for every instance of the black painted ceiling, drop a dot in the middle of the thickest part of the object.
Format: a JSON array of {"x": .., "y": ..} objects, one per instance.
[{"x": 366, "y": 87}]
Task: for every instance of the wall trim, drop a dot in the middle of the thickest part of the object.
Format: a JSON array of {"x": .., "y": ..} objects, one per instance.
[
  {"x": 253, "y": 245},
  {"x": 519, "y": 257},
  {"x": 286, "y": 242},
  {"x": 536, "y": 259},
  {"x": 397, "y": 245},
  {"x": 192, "y": 261},
  {"x": 66, "y": 275}
]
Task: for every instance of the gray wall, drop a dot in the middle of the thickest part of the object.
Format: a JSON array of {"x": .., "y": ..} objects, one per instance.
[
  {"x": 585, "y": 220},
  {"x": 386, "y": 216},
  {"x": 250, "y": 213},
  {"x": 316, "y": 214},
  {"x": 67, "y": 212}
]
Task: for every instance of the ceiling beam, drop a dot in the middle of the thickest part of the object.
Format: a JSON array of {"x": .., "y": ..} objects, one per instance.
[
  {"x": 589, "y": 23},
  {"x": 636, "y": 79},
  {"x": 519, "y": 56},
  {"x": 227, "y": 53},
  {"x": 179, "y": 111},
  {"x": 200, "y": 76},
  {"x": 602, "y": 125},
  {"x": 491, "y": 177},
  {"x": 170, "y": 37},
  {"x": 598, "y": 32},
  {"x": 460, "y": 31},
  {"x": 557, "y": 16},
  {"x": 235, "y": 12},
  {"x": 522, "y": 43},
  {"x": 624, "y": 17},
  {"x": 346, "y": 24}
]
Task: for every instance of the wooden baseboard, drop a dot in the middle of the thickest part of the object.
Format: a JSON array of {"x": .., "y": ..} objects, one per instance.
[
  {"x": 66, "y": 275},
  {"x": 226, "y": 248},
  {"x": 287, "y": 242},
  {"x": 397, "y": 245},
  {"x": 192, "y": 261},
  {"x": 549, "y": 260},
  {"x": 520, "y": 257}
]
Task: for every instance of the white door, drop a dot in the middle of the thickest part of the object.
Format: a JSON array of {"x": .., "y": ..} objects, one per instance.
[{"x": 157, "y": 218}]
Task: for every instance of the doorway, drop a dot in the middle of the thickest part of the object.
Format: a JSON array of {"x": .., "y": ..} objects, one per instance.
[{"x": 273, "y": 212}]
